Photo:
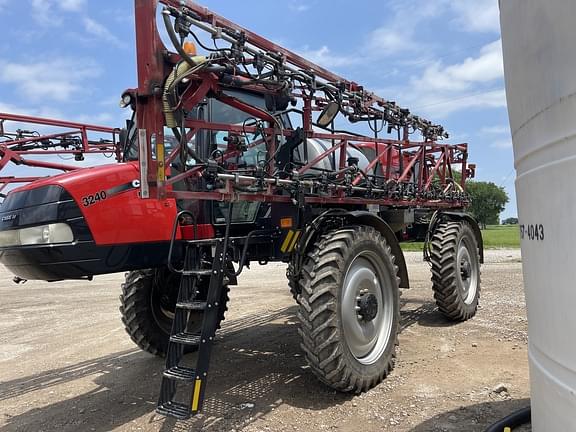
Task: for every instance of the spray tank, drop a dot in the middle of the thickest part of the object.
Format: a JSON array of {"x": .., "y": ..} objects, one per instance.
[{"x": 316, "y": 147}]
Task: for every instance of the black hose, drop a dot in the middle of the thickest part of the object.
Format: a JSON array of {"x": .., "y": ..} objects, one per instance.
[
  {"x": 199, "y": 42},
  {"x": 174, "y": 40},
  {"x": 512, "y": 421}
]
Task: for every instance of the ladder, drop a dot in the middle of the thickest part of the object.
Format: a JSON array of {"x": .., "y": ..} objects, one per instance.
[{"x": 183, "y": 387}]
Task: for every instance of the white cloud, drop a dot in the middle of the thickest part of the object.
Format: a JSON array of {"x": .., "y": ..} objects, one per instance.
[
  {"x": 496, "y": 130},
  {"x": 440, "y": 89},
  {"x": 441, "y": 108},
  {"x": 96, "y": 29},
  {"x": 473, "y": 83},
  {"x": 323, "y": 56},
  {"x": 501, "y": 133},
  {"x": 57, "y": 79},
  {"x": 398, "y": 34},
  {"x": 386, "y": 41},
  {"x": 71, "y": 5},
  {"x": 298, "y": 7},
  {"x": 46, "y": 13},
  {"x": 487, "y": 67},
  {"x": 395, "y": 37},
  {"x": 502, "y": 144},
  {"x": 477, "y": 15}
]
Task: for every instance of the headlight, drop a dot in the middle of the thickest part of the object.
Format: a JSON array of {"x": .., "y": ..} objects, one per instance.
[{"x": 41, "y": 234}]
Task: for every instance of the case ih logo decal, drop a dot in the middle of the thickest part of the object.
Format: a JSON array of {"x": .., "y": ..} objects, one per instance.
[{"x": 9, "y": 218}]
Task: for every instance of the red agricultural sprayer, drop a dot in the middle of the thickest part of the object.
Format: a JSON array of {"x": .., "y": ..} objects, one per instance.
[{"x": 234, "y": 156}]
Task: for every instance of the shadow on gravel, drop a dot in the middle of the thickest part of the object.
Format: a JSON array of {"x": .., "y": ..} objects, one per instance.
[
  {"x": 55, "y": 377},
  {"x": 257, "y": 366},
  {"x": 474, "y": 418},
  {"x": 123, "y": 389},
  {"x": 423, "y": 313}
]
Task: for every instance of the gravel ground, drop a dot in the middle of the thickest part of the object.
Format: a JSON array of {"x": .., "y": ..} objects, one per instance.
[{"x": 67, "y": 365}]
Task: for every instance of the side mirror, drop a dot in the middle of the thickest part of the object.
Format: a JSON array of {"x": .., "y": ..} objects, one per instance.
[
  {"x": 123, "y": 138},
  {"x": 328, "y": 114},
  {"x": 126, "y": 137}
]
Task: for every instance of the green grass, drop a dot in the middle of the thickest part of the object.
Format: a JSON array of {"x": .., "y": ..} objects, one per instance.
[
  {"x": 412, "y": 246},
  {"x": 501, "y": 237},
  {"x": 495, "y": 237}
]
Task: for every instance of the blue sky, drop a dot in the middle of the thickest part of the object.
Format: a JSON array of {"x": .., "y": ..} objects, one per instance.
[{"x": 72, "y": 59}]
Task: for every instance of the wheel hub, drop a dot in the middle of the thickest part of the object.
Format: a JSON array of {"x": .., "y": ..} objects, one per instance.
[
  {"x": 368, "y": 307},
  {"x": 465, "y": 269}
]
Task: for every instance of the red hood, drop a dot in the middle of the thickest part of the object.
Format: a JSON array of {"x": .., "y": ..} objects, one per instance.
[{"x": 119, "y": 215}]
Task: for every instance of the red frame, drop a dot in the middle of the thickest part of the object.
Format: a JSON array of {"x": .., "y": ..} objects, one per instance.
[
  {"x": 435, "y": 160},
  {"x": 10, "y": 151}
]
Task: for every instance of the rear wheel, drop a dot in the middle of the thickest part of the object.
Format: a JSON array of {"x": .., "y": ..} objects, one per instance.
[
  {"x": 455, "y": 270},
  {"x": 148, "y": 302},
  {"x": 349, "y": 308}
]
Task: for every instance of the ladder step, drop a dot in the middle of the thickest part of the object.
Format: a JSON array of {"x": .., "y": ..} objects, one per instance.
[
  {"x": 186, "y": 338},
  {"x": 180, "y": 373},
  {"x": 193, "y": 306},
  {"x": 174, "y": 409},
  {"x": 202, "y": 242},
  {"x": 197, "y": 273}
]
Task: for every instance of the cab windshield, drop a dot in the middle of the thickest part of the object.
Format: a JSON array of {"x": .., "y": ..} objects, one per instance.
[
  {"x": 222, "y": 113},
  {"x": 215, "y": 112}
]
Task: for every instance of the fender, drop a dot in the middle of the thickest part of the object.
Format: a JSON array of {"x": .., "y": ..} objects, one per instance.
[
  {"x": 459, "y": 215},
  {"x": 317, "y": 226},
  {"x": 370, "y": 219}
]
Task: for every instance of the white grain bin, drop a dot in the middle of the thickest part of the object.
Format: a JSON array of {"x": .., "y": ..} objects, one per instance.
[{"x": 539, "y": 43}]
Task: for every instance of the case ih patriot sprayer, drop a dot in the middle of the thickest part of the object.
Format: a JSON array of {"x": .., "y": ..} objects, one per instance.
[{"x": 233, "y": 157}]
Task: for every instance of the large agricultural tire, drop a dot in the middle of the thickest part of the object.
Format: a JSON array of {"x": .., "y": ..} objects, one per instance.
[
  {"x": 349, "y": 272},
  {"x": 147, "y": 305},
  {"x": 455, "y": 270}
]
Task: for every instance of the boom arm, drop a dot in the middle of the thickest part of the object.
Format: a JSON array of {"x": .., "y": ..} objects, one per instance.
[{"x": 73, "y": 141}]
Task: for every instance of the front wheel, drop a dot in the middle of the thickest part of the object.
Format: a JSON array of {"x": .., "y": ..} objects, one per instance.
[
  {"x": 148, "y": 303},
  {"x": 455, "y": 270},
  {"x": 349, "y": 308}
]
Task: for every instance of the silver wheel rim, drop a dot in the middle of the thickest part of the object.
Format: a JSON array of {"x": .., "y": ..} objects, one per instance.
[
  {"x": 367, "y": 340},
  {"x": 467, "y": 271}
]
